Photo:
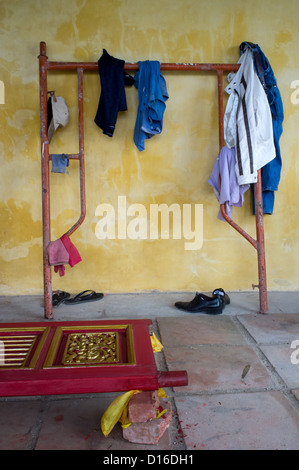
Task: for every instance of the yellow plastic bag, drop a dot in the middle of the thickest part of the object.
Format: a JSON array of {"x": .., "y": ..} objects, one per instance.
[
  {"x": 156, "y": 345},
  {"x": 116, "y": 411},
  {"x": 161, "y": 393},
  {"x": 124, "y": 420}
]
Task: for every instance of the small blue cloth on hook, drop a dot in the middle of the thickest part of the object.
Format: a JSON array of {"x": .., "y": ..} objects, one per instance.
[{"x": 59, "y": 163}]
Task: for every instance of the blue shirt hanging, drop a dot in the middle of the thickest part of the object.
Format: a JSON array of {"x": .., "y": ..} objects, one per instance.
[{"x": 152, "y": 94}]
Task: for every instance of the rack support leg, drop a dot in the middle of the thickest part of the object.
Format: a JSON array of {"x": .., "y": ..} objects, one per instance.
[
  {"x": 258, "y": 199},
  {"x": 47, "y": 275}
]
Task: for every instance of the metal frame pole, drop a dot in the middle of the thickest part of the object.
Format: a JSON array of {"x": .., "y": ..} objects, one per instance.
[{"x": 45, "y": 181}]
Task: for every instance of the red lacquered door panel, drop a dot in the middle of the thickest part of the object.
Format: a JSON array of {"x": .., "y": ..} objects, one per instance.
[{"x": 79, "y": 357}]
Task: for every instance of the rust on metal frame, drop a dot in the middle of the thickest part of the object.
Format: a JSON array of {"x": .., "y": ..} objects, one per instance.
[
  {"x": 44, "y": 67},
  {"x": 45, "y": 180}
]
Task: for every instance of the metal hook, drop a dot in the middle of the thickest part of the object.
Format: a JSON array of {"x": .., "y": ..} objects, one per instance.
[{"x": 52, "y": 94}]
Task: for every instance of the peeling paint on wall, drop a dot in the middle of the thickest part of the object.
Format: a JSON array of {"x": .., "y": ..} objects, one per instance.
[{"x": 175, "y": 166}]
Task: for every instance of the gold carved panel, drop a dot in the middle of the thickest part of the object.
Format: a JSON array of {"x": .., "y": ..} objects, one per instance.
[
  {"x": 82, "y": 345},
  {"x": 91, "y": 348}
]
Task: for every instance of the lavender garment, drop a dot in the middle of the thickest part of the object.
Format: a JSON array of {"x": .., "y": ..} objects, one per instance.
[{"x": 228, "y": 192}]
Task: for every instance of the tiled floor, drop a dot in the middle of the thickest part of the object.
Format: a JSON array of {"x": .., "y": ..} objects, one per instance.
[{"x": 243, "y": 388}]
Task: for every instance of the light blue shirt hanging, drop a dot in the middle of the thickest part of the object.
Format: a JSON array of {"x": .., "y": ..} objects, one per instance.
[{"x": 152, "y": 94}]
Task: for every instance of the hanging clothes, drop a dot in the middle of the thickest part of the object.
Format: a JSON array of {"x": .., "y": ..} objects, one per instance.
[
  {"x": 248, "y": 121},
  {"x": 57, "y": 253},
  {"x": 113, "y": 96},
  {"x": 270, "y": 172},
  {"x": 152, "y": 94},
  {"x": 59, "y": 162},
  {"x": 224, "y": 182},
  {"x": 58, "y": 114},
  {"x": 61, "y": 252}
]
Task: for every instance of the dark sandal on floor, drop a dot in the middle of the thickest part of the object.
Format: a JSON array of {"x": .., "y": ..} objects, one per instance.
[
  {"x": 85, "y": 296},
  {"x": 58, "y": 297}
]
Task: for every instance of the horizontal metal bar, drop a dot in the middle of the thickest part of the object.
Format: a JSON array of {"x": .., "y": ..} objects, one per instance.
[
  {"x": 72, "y": 156},
  {"x": 93, "y": 66}
]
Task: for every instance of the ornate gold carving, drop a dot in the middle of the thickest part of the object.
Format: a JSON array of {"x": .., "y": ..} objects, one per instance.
[{"x": 91, "y": 348}]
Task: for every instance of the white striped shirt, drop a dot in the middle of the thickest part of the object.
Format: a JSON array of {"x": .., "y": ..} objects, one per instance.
[{"x": 248, "y": 121}]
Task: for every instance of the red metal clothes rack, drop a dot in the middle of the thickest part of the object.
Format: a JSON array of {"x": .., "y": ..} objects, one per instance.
[{"x": 80, "y": 67}]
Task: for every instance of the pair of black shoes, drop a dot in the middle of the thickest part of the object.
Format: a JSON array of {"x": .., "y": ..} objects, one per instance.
[{"x": 203, "y": 303}]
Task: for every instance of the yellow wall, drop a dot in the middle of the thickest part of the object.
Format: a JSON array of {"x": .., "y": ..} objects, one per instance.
[{"x": 175, "y": 166}]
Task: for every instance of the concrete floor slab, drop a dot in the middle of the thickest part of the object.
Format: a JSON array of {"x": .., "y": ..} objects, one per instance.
[
  {"x": 239, "y": 421},
  {"x": 278, "y": 328},
  {"x": 280, "y": 356},
  {"x": 218, "y": 368},
  {"x": 143, "y": 305},
  {"x": 199, "y": 329},
  {"x": 74, "y": 424},
  {"x": 18, "y": 421}
]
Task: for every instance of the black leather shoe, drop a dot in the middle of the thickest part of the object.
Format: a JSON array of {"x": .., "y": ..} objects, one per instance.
[
  {"x": 203, "y": 303},
  {"x": 223, "y": 295}
]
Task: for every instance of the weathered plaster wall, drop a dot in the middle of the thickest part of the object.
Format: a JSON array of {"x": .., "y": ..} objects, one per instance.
[{"x": 175, "y": 166}]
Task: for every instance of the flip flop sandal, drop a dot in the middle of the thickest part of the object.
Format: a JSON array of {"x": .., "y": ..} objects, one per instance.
[
  {"x": 85, "y": 296},
  {"x": 58, "y": 297}
]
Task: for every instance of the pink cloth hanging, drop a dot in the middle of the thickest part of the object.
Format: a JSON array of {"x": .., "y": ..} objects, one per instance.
[
  {"x": 61, "y": 252},
  {"x": 74, "y": 256}
]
